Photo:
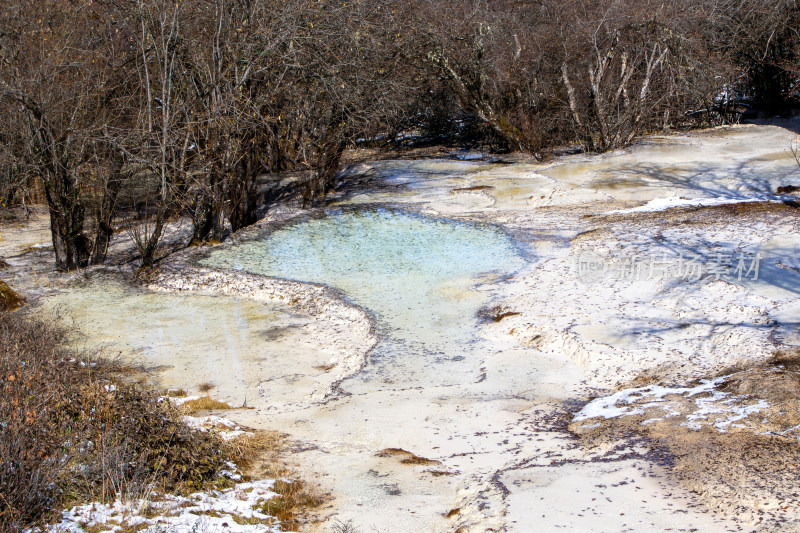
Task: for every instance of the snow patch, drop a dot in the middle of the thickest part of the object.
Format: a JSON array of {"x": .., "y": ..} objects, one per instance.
[
  {"x": 661, "y": 204},
  {"x": 202, "y": 511},
  {"x": 718, "y": 409},
  {"x": 224, "y": 428}
]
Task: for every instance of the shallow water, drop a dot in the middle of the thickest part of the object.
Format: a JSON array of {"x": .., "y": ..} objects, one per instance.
[
  {"x": 419, "y": 276},
  {"x": 192, "y": 339}
]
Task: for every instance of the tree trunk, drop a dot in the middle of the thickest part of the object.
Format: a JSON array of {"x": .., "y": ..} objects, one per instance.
[
  {"x": 69, "y": 242},
  {"x": 104, "y": 214},
  {"x": 67, "y": 212},
  {"x": 242, "y": 194},
  {"x": 202, "y": 217},
  {"x": 149, "y": 249},
  {"x": 207, "y": 209},
  {"x": 102, "y": 239},
  {"x": 67, "y": 215},
  {"x": 329, "y": 166}
]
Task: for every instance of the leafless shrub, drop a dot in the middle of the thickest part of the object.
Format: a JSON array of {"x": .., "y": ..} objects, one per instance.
[
  {"x": 68, "y": 434},
  {"x": 343, "y": 527}
]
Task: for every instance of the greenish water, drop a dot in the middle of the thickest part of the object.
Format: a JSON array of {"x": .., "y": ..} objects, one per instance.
[
  {"x": 195, "y": 336},
  {"x": 420, "y": 277},
  {"x": 234, "y": 343}
]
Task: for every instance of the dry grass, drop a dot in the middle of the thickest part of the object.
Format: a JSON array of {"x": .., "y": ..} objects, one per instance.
[
  {"x": 9, "y": 300},
  {"x": 440, "y": 473},
  {"x": 246, "y": 450},
  {"x": 3, "y": 263},
  {"x": 265, "y": 456},
  {"x": 705, "y": 215},
  {"x": 29, "y": 249},
  {"x": 209, "y": 242},
  {"x": 205, "y": 386},
  {"x": 325, "y": 368},
  {"x": 295, "y": 499},
  {"x": 407, "y": 458},
  {"x": 175, "y": 393},
  {"x": 495, "y": 313},
  {"x": 205, "y": 403}
]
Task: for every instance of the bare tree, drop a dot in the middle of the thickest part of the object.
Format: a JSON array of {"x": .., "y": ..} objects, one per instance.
[
  {"x": 160, "y": 131},
  {"x": 619, "y": 86},
  {"x": 59, "y": 75},
  {"x": 489, "y": 57},
  {"x": 13, "y": 180},
  {"x": 186, "y": 106},
  {"x": 761, "y": 39}
]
